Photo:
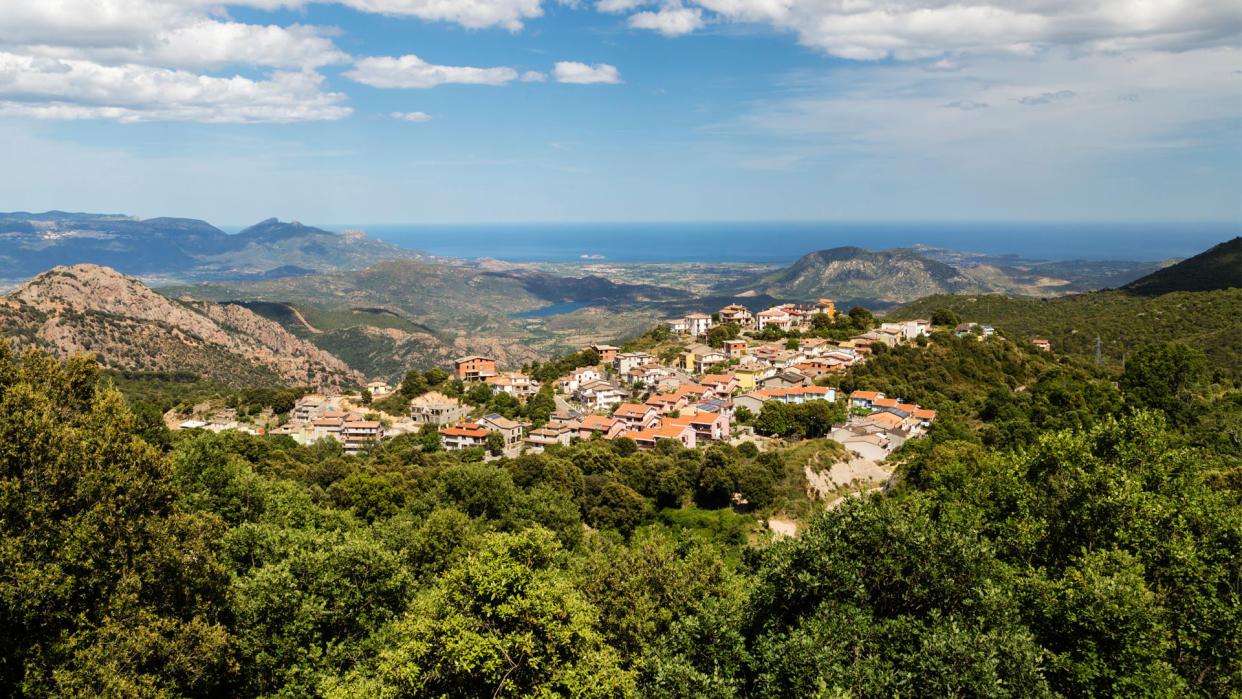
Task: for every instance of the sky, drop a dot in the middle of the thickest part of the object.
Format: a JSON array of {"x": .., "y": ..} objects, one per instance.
[{"x": 405, "y": 111}]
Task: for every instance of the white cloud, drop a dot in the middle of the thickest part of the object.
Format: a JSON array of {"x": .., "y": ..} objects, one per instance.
[
  {"x": 472, "y": 14},
  {"x": 416, "y": 117},
  {"x": 669, "y": 21},
  {"x": 916, "y": 29},
  {"x": 48, "y": 88},
  {"x": 413, "y": 72},
  {"x": 533, "y": 76},
  {"x": 583, "y": 74},
  {"x": 615, "y": 6}
]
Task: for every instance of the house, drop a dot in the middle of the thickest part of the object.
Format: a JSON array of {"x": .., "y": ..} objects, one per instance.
[
  {"x": 721, "y": 384},
  {"x": 359, "y": 433},
  {"x": 464, "y": 436},
  {"x": 608, "y": 427},
  {"x": 515, "y": 383},
  {"x": 666, "y": 403},
  {"x": 864, "y": 399},
  {"x": 772, "y": 316},
  {"x": 827, "y": 306},
  {"x": 748, "y": 377},
  {"x": 755, "y": 400},
  {"x": 786, "y": 378},
  {"x": 625, "y": 361},
  {"x": 886, "y": 420},
  {"x": 577, "y": 378},
  {"x": 646, "y": 439},
  {"x": 909, "y": 329},
  {"x": 677, "y": 325},
  {"x": 734, "y": 348},
  {"x": 698, "y": 358},
  {"x": 552, "y": 433},
  {"x": 924, "y": 417},
  {"x": 1042, "y": 344},
  {"x": 192, "y": 425},
  {"x": 698, "y": 324},
  {"x": 474, "y": 368},
  {"x": 637, "y": 416},
  {"x": 736, "y": 313},
  {"x": 598, "y": 395},
  {"x": 511, "y": 430},
  {"x": 435, "y": 408},
  {"x": 308, "y": 408},
  {"x": 379, "y": 389},
  {"x": 329, "y": 427},
  {"x": 607, "y": 353},
  {"x": 707, "y": 426}
]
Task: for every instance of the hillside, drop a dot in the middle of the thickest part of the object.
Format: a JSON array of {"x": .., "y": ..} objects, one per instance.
[
  {"x": 884, "y": 278},
  {"x": 1217, "y": 268},
  {"x": 853, "y": 275},
  {"x": 89, "y": 308},
  {"x": 386, "y": 318},
  {"x": 1210, "y": 321},
  {"x": 180, "y": 249}
]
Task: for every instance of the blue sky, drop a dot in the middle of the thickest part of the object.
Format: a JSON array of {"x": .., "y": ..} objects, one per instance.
[{"x": 374, "y": 111}]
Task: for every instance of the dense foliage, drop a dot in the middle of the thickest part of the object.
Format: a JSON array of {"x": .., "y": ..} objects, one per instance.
[{"x": 1094, "y": 550}]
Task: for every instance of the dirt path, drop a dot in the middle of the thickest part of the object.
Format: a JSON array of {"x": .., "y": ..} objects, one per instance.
[
  {"x": 783, "y": 527},
  {"x": 298, "y": 313}
]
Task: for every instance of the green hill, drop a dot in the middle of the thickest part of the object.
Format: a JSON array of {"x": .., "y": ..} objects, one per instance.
[{"x": 1218, "y": 268}]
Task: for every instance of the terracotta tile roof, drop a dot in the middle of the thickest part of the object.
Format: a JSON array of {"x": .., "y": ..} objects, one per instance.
[
  {"x": 598, "y": 422},
  {"x": 631, "y": 409},
  {"x": 465, "y": 429},
  {"x": 924, "y": 414}
]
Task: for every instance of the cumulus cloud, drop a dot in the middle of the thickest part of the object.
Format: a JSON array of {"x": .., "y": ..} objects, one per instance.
[
  {"x": 674, "y": 20},
  {"x": 918, "y": 29},
  {"x": 49, "y": 88},
  {"x": 413, "y": 72},
  {"x": 615, "y": 6},
  {"x": 416, "y": 117},
  {"x": 533, "y": 76},
  {"x": 583, "y": 74},
  {"x": 472, "y": 14},
  {"x": 966, "y": 105}
]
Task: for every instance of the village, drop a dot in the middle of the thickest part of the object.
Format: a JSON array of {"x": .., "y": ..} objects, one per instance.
[{"x": 696, "y": 394}]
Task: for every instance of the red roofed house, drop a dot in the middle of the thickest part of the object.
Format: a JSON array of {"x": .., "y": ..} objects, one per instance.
[
  {"x": 646, "y": 439},
  {"x": 1042, "y": 344},
  {"x": 609, "y": 427},
  {"x": 772, "y": 316},
  {"x": 864, "y": 399},
  {"x": 708, "y": 427},
  {"x": 924, "y": 417},
  {"x": 637, "y": 417},
  {"x": 721, "y": 384},
  {"x": 358, "y": 433},
  {"x": 464, "y": 436}
]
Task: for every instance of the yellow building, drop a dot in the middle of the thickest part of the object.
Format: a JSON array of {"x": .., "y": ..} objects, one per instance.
[{"x": 747, "y": 379}]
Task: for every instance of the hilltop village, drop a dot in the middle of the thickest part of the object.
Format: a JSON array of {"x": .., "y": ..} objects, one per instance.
[{"x": 732, "y": 376}]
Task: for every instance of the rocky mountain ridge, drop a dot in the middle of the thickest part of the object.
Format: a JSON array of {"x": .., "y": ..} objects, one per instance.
[{"x": 90, "y": 308}]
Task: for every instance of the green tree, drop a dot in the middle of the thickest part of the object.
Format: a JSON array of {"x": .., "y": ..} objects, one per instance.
[
  {"x": 505, "y": 621},
  {"x": 862, "y": 318},
  {"x": 495, "y": 443},
  {"x": 1165, "y": 377},
  {"x": 943, "y": 317},
  {"x": 617, "y": 507}
]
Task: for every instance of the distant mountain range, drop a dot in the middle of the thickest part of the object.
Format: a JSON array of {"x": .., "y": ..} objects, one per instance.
[
  {"x": 853, "y": 275},
  {"x": 182, "y": 249}
]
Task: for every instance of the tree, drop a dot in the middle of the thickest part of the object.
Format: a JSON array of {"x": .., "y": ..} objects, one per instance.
[
  {"x": 365, "y": 397},
  {"x": 1165, "y": 377},
  {"x": 503, "y": 622},
  {"x": 480, "y": 393},
  {"x": 429, "y": 439},
  {"x": 943, "y": 317},
  {"x": 618, "y": 507},
  {"x": 792, "y": 343},
  {"x": 495, "y": 443},
  {"x": 862, "y": 318}
]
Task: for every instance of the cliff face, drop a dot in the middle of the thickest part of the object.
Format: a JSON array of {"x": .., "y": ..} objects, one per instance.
[{"x": 89, "y": 308}]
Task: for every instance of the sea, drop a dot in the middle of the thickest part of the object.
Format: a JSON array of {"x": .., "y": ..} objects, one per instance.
[{"x": 781, "y": 242}]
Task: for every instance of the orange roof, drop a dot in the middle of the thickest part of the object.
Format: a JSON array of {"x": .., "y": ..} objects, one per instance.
[
  {"x": 362, "y": 425},
  {"x": 465, "y": 429},
  {"x": 886, "y": 419},
  {"x": 925, "y": 414},
  {"x": 865, "y": 395},
  {"x": 663, "y": 432},
  {"x": 907, "y": 407},
  {"x": 885, "y": 402},
  {"x": 631, "y": 409},
  {"x": 598, "y": 422}
]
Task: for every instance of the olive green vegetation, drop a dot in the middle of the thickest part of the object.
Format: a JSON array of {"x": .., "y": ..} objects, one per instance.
[{"x": 1100, "y": 560}]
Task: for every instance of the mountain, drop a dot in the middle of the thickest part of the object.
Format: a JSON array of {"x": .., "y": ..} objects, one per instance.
[
  {"x": 851, "y": 274},
  {"x": 1217, "y": 268},
  {"x": 1202, "y": 314},
  {"x": 401, "y": 313},
  {"x": 89, "y": 308},
  {"x": 181, "y": 249}
]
